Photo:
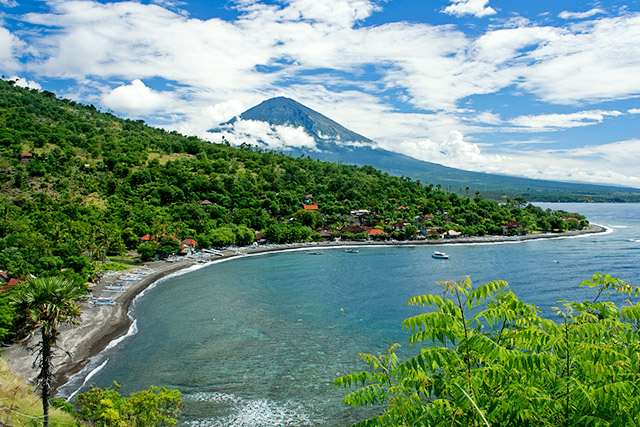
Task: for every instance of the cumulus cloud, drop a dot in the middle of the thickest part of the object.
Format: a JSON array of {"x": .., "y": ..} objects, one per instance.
[
  {"x": 570, "y": 120},
  {"x": 581, "y": 15},
  {"x": 342, "y": 12},
  {"x": 634, "y": 111},
  {"x": 263, "y": 134},
  {"x": 22, "y": 82},
  {"x": 478, "y": 8},
  {"x": 137, "y": 98},
  {"x": 9, "y": 45},
  {"x": 453, "y": 151},
  {"x": 617, "y": 162},
  {"x": 595, "y": 61}
]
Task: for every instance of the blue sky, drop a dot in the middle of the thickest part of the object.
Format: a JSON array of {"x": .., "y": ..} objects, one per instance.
[{"x": 544, "y": 89}]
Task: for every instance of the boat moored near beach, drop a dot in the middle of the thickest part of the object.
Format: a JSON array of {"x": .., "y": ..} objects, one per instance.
[{"x": 439, "y": 255}]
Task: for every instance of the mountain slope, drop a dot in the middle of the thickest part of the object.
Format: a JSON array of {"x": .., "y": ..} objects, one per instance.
[
  {"x": 286, "y": 111},
  {"x": 335, "y": 143}
]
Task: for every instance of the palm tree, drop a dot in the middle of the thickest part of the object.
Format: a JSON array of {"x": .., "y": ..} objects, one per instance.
[{"x": 43, "y": 305}]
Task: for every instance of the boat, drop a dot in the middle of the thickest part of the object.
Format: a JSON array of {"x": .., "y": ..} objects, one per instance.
[
  {"x": 315, "y": 253},
  {"x": 103, "y": 301},
  {"x": 439, "y": 255},
  {"x": 351, "y": 251},
  {"x": 115, "y": 289}
]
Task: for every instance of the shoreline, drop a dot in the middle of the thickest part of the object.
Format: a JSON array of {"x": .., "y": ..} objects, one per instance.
[{"x": 100, "y": 325}]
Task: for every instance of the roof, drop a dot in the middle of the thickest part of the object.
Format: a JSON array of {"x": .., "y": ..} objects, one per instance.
[
  {"x": 4, "y": 275},
  {"x": 453, "y": 233},
  {"x": 146, "y": 237},
  {"x": 353, "y": 229},
  {"x": 13, "y": 282},
  {"x": 189, "y": 242},
  {"x": 205, "y": 203},
  {"x": 310, "y": 207},
  {"x": 375, "y": 232},
  {"x": 26, "y": 155},
  {"x": 400, "y": 224}
]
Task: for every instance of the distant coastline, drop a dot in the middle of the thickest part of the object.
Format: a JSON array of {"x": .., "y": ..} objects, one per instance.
[{"x": 100, "y": 325}]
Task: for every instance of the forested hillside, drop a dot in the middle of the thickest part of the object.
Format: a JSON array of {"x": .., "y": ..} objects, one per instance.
[{"x": 78, "y": 185}]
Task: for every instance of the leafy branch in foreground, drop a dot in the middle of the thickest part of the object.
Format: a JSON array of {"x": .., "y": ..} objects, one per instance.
[
  {"x": 156, "y": 407},
  {"x": 490, "y": 359}
]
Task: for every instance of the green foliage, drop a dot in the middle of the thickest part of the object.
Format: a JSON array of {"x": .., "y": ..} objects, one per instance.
[
  {"x": 43, "y": 305},
  {"x": 64, "y": 406},
  {"x": 168, "y": 246},
  {"x": 148, "y": 250},
  {"x": 156, "y": 407},
  {"x": 6, "y": 315},
  {"x": 489, "y": 359}
]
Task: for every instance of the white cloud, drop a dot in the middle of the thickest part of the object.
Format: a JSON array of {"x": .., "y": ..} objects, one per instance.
[
  {"x": 488, "y": 117},
  {"x": 616, "y": 162},
  {"x": 137, "y": 98},
  {"x": 581, "y": 15},
  {"x": 634, "y": 111},
  {"x": 569, "y": 120},
  {"x": 9, "y": 3},
  {"x": 478, "y": 8},
  {"x": 265, "y": 135},
  {"x": 9, "y": 45},
  {"x": 22, "y": 82},
  {"x": 342, "y": 12},
  {"x": 595, "y": 61}
]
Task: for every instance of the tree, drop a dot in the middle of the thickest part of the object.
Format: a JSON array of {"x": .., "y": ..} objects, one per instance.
[
  {"x": 148, "y": 250},
  {"x": 156, "y": 407},
  {"x": 490, "y": 359},
  {"x": 43, "y": 305},
  {"x": 6, "y": 315}
]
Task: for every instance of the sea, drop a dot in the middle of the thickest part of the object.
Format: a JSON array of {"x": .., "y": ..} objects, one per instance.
[{"x": 258, "y": 340}]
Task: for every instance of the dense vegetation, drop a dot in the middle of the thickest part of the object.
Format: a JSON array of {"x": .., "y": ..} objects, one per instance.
[
  {"x": 106, "y": 407},
  {"x": 489, "y": 359},
  {"x": 154, "y": 407},
  {"x": 20, "y": 407}
]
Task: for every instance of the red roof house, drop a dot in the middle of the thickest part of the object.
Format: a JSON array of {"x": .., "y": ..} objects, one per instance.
[{"x": 310, "y": 207}]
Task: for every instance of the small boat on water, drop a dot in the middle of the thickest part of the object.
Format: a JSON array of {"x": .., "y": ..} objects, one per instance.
[
  {"x": 315, "y": 253},
  {"x": 439, "y": 255},
  {"x": 351, "y": 251}
]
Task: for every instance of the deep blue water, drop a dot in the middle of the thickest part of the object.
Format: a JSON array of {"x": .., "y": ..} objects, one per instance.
[{"x": 257, "y": 341}]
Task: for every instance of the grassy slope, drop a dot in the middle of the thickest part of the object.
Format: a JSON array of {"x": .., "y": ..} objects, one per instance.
[{"x": 19, "y": 406}]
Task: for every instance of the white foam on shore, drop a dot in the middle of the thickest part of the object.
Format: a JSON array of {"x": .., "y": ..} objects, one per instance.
[
  {"x": 252, "y": 412},
  {"x": 87, "y": 378}
]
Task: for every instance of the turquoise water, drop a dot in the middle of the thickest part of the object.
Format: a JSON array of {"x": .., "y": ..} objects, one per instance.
[{"x": 257, "y": 341}]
